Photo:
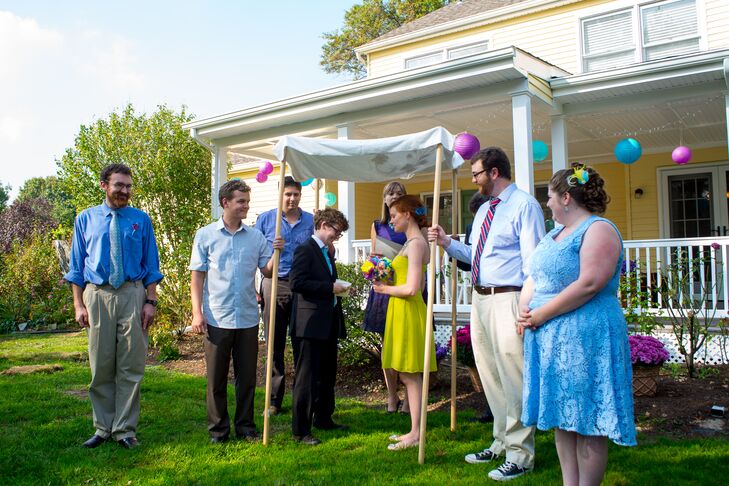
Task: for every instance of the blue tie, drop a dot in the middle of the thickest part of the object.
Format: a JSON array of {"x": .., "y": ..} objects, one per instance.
[
  {"x": 325, "y": 251},
  {"x": 116, "y": 267}
]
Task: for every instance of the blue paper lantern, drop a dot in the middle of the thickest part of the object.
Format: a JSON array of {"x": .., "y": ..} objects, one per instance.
[
  {"x": 307, "y": 181},
  {"x": 628, "y": 150},
  {"x": 539, "y": 150},
  {"x": 330, "y": 199}
]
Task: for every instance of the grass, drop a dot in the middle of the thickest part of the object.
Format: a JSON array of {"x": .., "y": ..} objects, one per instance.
[{"x": 45, "y": 418}]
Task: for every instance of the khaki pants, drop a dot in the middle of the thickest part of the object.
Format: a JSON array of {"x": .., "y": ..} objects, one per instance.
[
  {"x": 499, "y": 354},
  {"x": 117, "y": 351}
]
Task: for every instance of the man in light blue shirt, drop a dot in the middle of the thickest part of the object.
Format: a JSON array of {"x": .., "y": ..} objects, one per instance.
[
  {"x": 297, "y": 226},
  {"x": 506, "y": 230},
  {"x": 114, "y": 271},
  {"x": 224, "y": 260}
]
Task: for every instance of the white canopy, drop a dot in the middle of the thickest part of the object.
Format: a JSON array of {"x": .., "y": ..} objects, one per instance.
[{"x": 375, "y": 160}]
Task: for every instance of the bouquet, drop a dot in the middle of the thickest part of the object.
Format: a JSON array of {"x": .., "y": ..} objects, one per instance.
[
  {"x": 377, "y": 268},
  {"x": 647, "y": 350},
  {"x": 463, "y": 347}
]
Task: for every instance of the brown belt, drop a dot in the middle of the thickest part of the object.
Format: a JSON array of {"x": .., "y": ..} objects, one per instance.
[{"x": 495, "y": 290}]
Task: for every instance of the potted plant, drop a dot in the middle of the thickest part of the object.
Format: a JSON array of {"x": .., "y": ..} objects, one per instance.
[{"x": 647, "y": 355}]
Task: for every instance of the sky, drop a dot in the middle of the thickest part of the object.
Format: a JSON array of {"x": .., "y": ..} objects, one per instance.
[{"x": 67, "y": 63}]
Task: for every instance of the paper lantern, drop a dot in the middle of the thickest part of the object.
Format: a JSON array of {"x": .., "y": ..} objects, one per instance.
[
  {"x": 539, "y": 150},
  {"x": 330, "y": 199},
  {"x": 307, "y": 181},
  {"x": 266, "y": 168},
  {"x": 681, "y": 155},
  {"x": 466, "y": 145},
  {"x": 261, "y": 177},
  {"x": 628, "y": 150}
]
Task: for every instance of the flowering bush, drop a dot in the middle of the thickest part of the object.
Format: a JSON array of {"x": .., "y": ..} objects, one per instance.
[
  {"x": 377, "y": 268},
  {"x": 647, "y": 350},
  {"x": 464, "y": 349},
  {"x": 441, "y": 352}
]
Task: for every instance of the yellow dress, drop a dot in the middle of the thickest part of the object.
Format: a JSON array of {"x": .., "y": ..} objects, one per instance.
[{"x": 403, "y": 348}]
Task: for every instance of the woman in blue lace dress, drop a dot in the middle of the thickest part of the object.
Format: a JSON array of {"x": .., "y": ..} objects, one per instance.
[
  {"x": 376, "y": 310},
  {"x": 577, "y": 369}
]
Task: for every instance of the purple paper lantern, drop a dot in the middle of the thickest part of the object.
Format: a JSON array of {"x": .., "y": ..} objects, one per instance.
[
  {"x": 266, "y": 168},
  {"x": 261, "y": 177},
  {"x": 466, "y": 145},
  {"x": 681, "y": 155}
]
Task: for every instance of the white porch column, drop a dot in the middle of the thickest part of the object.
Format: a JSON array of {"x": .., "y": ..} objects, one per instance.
[
  {"x": 521, "y": 108},
  {"x": 219, "y": 177},
  {"x": 726, "y": 107},
  {"x": 345, "y": 202},
  {"x": 559, "y": 143}
]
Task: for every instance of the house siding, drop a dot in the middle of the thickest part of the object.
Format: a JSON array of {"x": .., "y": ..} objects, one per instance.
[{"x": 717, "y": 20}]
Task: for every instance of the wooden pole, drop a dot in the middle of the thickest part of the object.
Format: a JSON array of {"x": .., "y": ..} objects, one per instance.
[
  {"x": 272, "y": 314},
  {"x": 454, "y": 291},
  {"x": 429, "y": 314},
  {"x": 317, "y": 188}
]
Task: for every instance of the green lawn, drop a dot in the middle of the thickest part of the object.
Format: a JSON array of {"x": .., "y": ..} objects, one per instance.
[{"x": 46, "y": 417}]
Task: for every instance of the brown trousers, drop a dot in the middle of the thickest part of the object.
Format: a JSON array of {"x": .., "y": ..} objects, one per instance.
[{"x": 117, "y": 352}]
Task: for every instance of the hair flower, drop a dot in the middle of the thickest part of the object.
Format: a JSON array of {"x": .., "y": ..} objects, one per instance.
[
  {"x": 421, "y": 211},
  {"x": 579, "y": 176}
]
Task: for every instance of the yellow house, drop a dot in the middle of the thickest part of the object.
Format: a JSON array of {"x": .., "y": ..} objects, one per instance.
[{"x": 579, "y": 75}]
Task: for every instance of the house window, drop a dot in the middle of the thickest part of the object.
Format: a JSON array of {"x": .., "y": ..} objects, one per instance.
[
  {"x": 424, "y": 60},
  {"x": 638, "y": 34},
  {"x": 469, "y": 50},
  {"x": 669, "y": 29}
]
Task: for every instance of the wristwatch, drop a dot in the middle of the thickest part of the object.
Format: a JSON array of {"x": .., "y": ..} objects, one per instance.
[{"x": 151, "y": 302}]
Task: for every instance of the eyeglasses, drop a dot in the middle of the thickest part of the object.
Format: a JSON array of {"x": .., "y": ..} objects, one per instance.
[
  {"x": 476, "y": 174},
  {"x": 337, "y": 231}
]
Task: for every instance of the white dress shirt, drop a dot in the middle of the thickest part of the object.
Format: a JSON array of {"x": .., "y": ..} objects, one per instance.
[{"x": 516, "y": 229}]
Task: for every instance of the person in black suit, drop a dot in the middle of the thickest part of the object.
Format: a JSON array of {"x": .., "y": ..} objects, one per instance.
[{"x": 317, "y": 324}]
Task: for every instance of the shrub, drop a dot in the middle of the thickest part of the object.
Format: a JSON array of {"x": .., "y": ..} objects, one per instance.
[
  {"x": 22, "y": 220},
  {"x": 360, "y": 346},
  {"x": 31, "y": 285}
]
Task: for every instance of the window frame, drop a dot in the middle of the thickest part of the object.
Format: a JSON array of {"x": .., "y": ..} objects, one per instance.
[{"x": 445, "y": 51}]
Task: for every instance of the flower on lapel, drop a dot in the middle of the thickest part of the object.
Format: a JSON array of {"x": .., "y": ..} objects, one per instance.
[{"x": 135, "y": 227}]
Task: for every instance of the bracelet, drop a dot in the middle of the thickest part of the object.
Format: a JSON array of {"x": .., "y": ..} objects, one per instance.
[{"x": 151, "y": 302}]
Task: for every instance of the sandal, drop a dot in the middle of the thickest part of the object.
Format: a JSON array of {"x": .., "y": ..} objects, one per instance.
[
  {"x": 403, "y": 445},
  {"x": 394, "y": 438},
  {"x": 397, "y": 407}
]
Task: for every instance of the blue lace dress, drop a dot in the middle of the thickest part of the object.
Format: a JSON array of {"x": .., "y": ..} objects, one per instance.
[{"x": 577, "y": 369}]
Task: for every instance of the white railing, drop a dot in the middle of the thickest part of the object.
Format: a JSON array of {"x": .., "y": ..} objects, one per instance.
[{"x": 648, "y": 258}]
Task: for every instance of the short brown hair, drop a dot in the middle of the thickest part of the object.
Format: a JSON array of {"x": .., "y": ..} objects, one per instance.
[
  {"x": 414, "y": 206},
  {"x": 227, "y": 189},
  {"x": 332, "y": 217},
  {"x": 110, "y": 169},
  {"x": 591, "y": 195},
  {"x": 491, "y": 157}
]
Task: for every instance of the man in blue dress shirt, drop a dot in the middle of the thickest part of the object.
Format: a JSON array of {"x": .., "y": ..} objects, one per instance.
[
  {"x": 506, "y": 230},
  {"x": 297, "y": 226},
  {"x": 114, "y": 271},
  {"x": 224, "y": 260}
]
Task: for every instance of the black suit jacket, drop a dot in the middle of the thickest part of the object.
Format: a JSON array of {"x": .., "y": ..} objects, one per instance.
[{"x": 313, "y": 315}]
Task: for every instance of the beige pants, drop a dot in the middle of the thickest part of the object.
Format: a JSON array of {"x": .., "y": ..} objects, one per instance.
[
  {"x": 499, "y": 354},
  {"x": 117, "y": 351}
]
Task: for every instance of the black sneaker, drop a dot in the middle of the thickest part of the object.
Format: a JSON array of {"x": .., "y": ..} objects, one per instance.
[
  {"x": 508, "y": 470},
  {"x": 481, "y": 457}
]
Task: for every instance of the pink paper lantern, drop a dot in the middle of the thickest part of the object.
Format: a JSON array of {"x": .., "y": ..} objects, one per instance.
[
  {"x": 681, "y": 155},
  {"x": 261, "y": 177},
  {"x": 466, "y": 145},
  {"x": 266, "y": 168}
]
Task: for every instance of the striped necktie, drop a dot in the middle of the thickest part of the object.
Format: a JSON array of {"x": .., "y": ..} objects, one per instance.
[
  {"x": 116, "y": 266},
  {"x": 485, "y": 227}
]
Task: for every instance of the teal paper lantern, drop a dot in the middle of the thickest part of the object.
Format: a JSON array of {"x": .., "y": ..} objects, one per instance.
[
  {"x": 330, "y": 199},
  {"x": 628, "y": 150},
  {"x": 307, "y": 181},
  {"x": 539, "y": 150}
]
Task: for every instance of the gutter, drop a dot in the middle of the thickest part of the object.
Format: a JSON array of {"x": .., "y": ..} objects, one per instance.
[{"x": 204, "y": 143}]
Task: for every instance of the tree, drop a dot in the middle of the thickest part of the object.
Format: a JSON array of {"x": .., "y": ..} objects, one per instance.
[
  {"x": 4, "y": 196},
  {"x": 366, "y": 22},
  {"x": 171, "y": 177},
  {"x": 50, "y": 189},
  {"x": 24, "y": 219}
]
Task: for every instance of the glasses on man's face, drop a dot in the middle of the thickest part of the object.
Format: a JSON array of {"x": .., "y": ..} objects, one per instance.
[
  {"x": 476, "y": 174},
  {"x": 337, "y": 231},
  {"x": 119, "y": 186}
]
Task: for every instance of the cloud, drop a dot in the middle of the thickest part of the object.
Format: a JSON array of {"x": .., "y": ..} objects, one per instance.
[
  {"x": 114, "y": 64},
  {"x": 23, "y": 41}
]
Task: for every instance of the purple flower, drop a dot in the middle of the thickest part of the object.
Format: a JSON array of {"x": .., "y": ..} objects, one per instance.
[
  {"x": 647, "y": 350},
  {"x": 631, "y": 265},
  {"x": 440, "y": 352},
  {"x": 715, "y": 245}
]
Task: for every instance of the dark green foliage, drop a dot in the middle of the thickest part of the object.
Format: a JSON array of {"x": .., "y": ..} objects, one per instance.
[
  {"x": 359, "y": 345},
  {"x": 364, "y": 23},
  {"x": 4, "y": 195},
  {"x": 50, "y": 189}
]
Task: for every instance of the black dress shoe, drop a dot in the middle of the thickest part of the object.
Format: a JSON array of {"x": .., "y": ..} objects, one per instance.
[
  {"x": 128, "y": 442},
  {"x": 219, "y": 440},
  {"x": 331, "y": 426},
  {"x": 250, "y": 436},
  {"x": 307, "y": 440},
  {"x": 485, "y": 418},
  {"x": 94, "y": 442}
]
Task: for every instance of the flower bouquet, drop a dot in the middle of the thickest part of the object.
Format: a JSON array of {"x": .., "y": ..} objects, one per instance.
[
  {"x": 647, "y": 355},
  {"x": 377, "y": 268}
]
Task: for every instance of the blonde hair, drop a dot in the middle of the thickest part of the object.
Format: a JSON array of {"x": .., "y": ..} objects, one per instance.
[{"x": 389, "y": 188}]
